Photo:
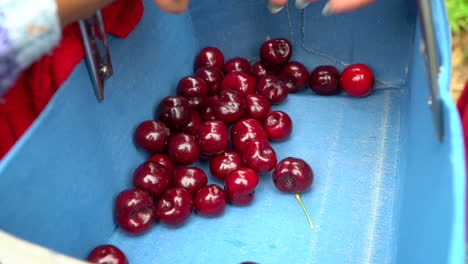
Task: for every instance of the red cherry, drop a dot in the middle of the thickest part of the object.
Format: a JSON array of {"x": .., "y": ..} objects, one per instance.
[
  {"x": 152, "y": 135},
  {"x": 175, "y": 207},
  {"x": 152, "y": 177},
  {"x": 294, "y": 75},
  {"x": 222, "y": 164},
  {"x": 273, "y": 89},
  {"x": 207, "y": 110},
  {"x": 240, "y": 186},
  {"x": 278, "y": 125},
  {"x": 325, "y": 80},
  {"x": 192, "y": 127},
  {"x": 134, "y": 209},
  {"x": 194, "y": 89},
  {"x": 183, "y": 149},
  {"x": 293, "y": 175},
  {"x": 230, "y": 106},
  {"x": 175, "y": 111},
  {"x": 257, "y": 106},
  {"x": 259, "y": 155},
  {"x": 275, "y": 52},
  {"x": 107, "y": 254},
  {"x": 246, "y": 130},
  {"x": 212, "y": 77},
  {"x": 210, "y": 200},
  {"x": 357, "y": 80},
  {"x": 209, "y": 57},
  {"x": 243, "y": 83},
  {"x": 260, "y": 70},
  {"x": 237, "y": 65},
  {"x": 189, "y": 178},
  {"x": 212, "y": 137},
  {"x": 163, "y": 160}
]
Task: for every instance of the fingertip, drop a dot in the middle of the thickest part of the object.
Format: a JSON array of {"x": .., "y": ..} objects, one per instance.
[
  {"x": 278, "y": 2},
  {"x": 340, "y": 6}
]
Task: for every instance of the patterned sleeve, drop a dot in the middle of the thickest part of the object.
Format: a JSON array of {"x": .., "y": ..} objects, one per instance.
[{"x": 28, "y": 30}]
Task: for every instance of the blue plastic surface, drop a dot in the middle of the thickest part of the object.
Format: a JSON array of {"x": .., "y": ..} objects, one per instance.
[{"x": 385, "y": 190}]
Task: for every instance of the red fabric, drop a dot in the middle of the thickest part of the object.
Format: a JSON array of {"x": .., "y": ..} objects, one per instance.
[
  {"x": 36, "y": 86},
  {"x": 462, "y": 106}
]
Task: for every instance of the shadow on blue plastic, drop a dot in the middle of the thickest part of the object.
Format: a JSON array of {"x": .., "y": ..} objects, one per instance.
[{"x": 385, "y": 191}]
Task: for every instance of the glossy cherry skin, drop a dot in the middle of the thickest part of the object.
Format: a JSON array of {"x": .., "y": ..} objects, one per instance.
[
  {"x": 237, "y": 65},
  {"x": 273, "y": 89},
  {"x": 222, "y": 164},
  {"x": 152, "y": 135},
  {"x": 209, "y": 57},
  {"x": 189, "y": 178},
  {"x": 260, "y": 70},
  {"x": 107, "y": 254},
  {"x": 134, "y": 210},
  {"x": 325, "y": 80},
  {"x": 278, "y": 125},
  {"x": 152, "y": 177},
  {"x": 207, "y": 110},
  {"x": 175, "y": 111},
  {"x": 293, "y": 175},
  {"x": 192, "y": 127},
  {"x": 164, "y": 160},
  {"x": 259, "y": 155},
  {"x": 175, "y": 206},
  {"x": 230, "y": 106},
  {"x": 295, "y": 76},
  {"x": 243, "y": 83},
  {"x": 275, "y": 52},
  {"x": 246, "y": 130},
  {"x": 194, "y": 89},
  {"x": 183, "y": 149},
  {"x": 257, "y": 106},
  {"x": 212, "y": 137},
  {"x": 240, "y": 186},
  {"x": 210, "y": 200},
  {"x": 357, "y": 80},
  {"x": 213, "y": 77}
]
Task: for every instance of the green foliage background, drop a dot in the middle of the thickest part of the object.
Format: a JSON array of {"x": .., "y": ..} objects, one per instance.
[{"x": 458, "y": 14}]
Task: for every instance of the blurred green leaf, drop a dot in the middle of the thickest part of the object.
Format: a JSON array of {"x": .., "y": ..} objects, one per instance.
[{"x": 457, "y": 11}]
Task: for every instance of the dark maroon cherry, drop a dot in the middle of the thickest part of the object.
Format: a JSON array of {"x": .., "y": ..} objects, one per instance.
[
  {"x": 273, "y": 89},
  {"x": 294, "y": 75},
  {"x": 246, "y": 130},
  {"x": 183, "y": 149},
  {"x": 164, "y": 160},
  {"x": 257, "y": 106},
  {"x": 325, "y": 80},
  {"x": 175, "y": 207},
  {"x": 192, "y": 86},
  {"x": 293, "y": 175},
  {"x": 213, "y": 77},
  {"x": 209, "y": 57},
  {"x": 237, "y": 65},
  {"x": 243, "y": 83},
  {"x": 259, "y": 155},
  {"x": 107, "y": 254},
  {"x": 191, "y": 179},
  {"x": 222, "y": 164},
  {"x": 212, "y": 137},
  {"x": 152, "y": 135},
  {"x": 278, "y": 125},
  {"x": 135, "y": 210},
  {"x": 152, "y": 177},
  {"x": 207, "y": 110},
  {"x": 192, "y": 127},
  {"x": 275, "y": 52},
  {"x": 260, "y": 70},
  {"x": 357, "y": 80},
  {"x": 240, "y": 186},
  {"x": 175, "y": 111},
  {"x": 210, "y": 200},
  {"x": 230, "y": 106}
]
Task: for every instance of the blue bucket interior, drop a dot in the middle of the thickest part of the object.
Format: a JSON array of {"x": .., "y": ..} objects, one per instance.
[{"x": 385, "y": 191}]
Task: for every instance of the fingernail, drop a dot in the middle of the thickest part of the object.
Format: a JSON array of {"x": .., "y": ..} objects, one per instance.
[
  {"x": 275, "y": 8},
  {"x": 301, "y": 4},
  {"x": 326, "y": 11}
]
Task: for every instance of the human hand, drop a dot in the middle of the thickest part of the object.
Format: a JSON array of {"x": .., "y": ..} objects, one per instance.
[{"x": 332, "y": 7}]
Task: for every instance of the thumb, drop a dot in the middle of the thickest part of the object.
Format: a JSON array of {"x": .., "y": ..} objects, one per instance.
[{"x": 173, "y": 6}]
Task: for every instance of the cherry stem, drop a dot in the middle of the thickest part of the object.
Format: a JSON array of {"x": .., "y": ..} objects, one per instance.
[{"x": 299, "y": 199}]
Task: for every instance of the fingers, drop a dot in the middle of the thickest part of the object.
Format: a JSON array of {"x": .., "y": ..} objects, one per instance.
[
  {"x": 340, "y": 6},
  {"x": 173, "y": 6}
]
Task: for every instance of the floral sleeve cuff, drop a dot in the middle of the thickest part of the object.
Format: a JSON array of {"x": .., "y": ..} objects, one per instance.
[{"x": 28, "y": 30}]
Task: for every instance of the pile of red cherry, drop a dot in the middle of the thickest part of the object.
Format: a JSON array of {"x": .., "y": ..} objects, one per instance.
[{"x": 194, "y": 125}]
